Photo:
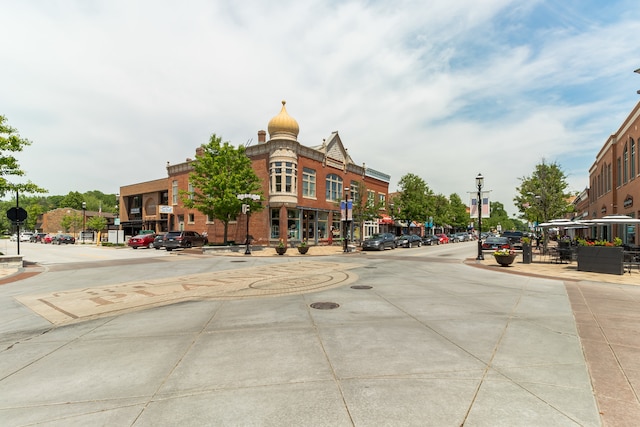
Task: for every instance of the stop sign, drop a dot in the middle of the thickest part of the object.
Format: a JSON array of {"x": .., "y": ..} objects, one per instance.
[{"x": 17, "y": 214}]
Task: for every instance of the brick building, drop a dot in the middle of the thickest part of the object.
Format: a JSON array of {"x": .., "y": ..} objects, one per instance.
[
  {"x": 615, "y": 181},
  {"x": 302, "y": 188},
  {"x": 51, "y": 222}
]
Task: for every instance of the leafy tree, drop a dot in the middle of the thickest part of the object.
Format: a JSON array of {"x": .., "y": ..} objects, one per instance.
[
  {"x": 97, "y": 223},
  {"x": 441, "y": 210},
  {"x": 34, "y": 210},
  {"x": 458, "y": 212},
  {"x": 543, "y": 196},
  {"x": 10, "y": 142},
  {"x": 71, "y": 222},
  {"x": 219, "y": 174},
  {"x": 413, "y": 202},
  {"x": 363, "y": 208},
  {"x": 72, "y": 200}
]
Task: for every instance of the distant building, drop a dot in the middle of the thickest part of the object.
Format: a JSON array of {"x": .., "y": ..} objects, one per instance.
[
  {"x": 302, "y": 187},
  {"x": 51, "y": 222}
]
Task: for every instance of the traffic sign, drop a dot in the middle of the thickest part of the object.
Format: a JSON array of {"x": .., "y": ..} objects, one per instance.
[{"x": 16, "y": 214}]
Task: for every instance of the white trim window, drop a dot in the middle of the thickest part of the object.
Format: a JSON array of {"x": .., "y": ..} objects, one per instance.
[
  {"x": 308, "y": 183},
  {"x": 283, "y": 177},
  {"x": 334, "y": 188},
  {"x": 174, "y": 192}
]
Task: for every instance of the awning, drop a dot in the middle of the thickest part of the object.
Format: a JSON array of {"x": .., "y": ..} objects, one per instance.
[{"x": 385, "y": 219}]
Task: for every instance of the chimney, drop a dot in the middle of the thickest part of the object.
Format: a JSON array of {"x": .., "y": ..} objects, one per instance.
[
  {"x": 199, "y": 151},
  {"x": 262, "y": 137}
]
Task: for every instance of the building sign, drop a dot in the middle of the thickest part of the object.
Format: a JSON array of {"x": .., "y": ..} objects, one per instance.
[
  {"x": 135, "y": 210},
  {"x": 628, "y": 202},
  {"x": 164, "y": 209}
]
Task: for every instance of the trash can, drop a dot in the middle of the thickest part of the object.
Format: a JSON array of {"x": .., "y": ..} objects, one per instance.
[{"x": 527, "y": 254}]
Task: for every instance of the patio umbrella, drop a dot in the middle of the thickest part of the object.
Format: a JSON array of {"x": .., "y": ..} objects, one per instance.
[{"x": 612, "y": 219}]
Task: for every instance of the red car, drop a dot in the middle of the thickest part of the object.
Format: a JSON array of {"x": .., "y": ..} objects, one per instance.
[
  {"x": 47, "y": 239},
  {"x": 443, "y": 238},
  {"x": 142, "y": 241}
]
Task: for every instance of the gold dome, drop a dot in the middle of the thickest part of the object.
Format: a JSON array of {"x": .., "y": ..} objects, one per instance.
[{"x": 283, "y": 125}]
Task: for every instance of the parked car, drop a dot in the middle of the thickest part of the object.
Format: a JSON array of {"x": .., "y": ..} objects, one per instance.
[
  {"x": 158, "y": 242},
  {"x": 515, "y": 237},
  {"x": 443, "y": 238},
  {"x": 142, "y": 241},
  {"x": 37, "y": 237},
  {"x": 379, "y": 242},
  {"x": 408, "y": 241},
  {"x": 48, "y": 238},
  {"x": 495, "y": 243},
  {"x": 463, "y": 237},
  {"x": 453, "y": 238},
  {"x": 59, "y": 239},
  {"x": 25, "y": 236},
  {"x": 183, "y": 239},
  {"x": 431, "y": 240}
]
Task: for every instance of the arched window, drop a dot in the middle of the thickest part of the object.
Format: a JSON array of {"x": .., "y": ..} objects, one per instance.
[
  {"x": 334, "y": 187},
  {"x": 633, "y": 158},
  {"x": 625, "y": 165}
]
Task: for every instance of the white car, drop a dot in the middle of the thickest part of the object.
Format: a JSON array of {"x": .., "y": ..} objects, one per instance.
[{"x": 26, "y": 236}]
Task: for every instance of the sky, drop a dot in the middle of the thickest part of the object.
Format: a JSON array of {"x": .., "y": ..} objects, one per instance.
[{"x": 109, "y": 91}]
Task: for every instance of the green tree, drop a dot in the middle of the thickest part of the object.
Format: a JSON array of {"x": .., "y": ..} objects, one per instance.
[
  {"x": 97, "y": 223},
  {"x": 542, "y": 196},
  {"x": 72, "y": 200},
  {"x": 458, "y": 212},
  {"x": 220, "y": 174},
  {"x": 71, "y": 223},
  {"x": 364, "y": 209},
  {"x": 10, "y": 143},
  {"x": 413, "y": 202}
]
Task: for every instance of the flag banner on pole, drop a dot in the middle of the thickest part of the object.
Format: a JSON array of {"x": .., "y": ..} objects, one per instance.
[{"x": 473, "y": 212}]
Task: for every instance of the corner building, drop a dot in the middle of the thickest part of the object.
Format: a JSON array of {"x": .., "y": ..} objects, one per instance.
[{"x": 302, "y": 189}]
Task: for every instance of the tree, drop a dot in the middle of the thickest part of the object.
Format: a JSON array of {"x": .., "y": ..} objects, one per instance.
[
  {"x": 220, "y": 174},
  {"x": 458, "y": 212},
  {"x": 72, "y": 200},
  {"x": 363, "y": 208},
  {"x": 71, "y": 222},
  {"x": 413, "y": 202},
  {"x": 10, "y": 142},
  {"x": 97, "y": 223},
  {"x": 542, "y": 196}
]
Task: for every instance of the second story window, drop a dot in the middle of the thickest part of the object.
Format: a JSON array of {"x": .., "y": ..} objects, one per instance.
[
  {"x": 308, "y": 182},
  {"x": 283, "y": 177},
  {"x": 334, "y": 187},
  {"x": 174, "y": 192}
]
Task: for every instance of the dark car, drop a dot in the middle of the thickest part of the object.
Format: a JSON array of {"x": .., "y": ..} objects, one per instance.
[
  {"x": 515, "y": 237},
  {"x": 59, "y": 239},
  {"x": 37, "y": 237},
  {"x": 409, "y": 241},
  {"x": 495, "y": 243},
  {"x": 142, "y": 241},
  {"x": 431, "y": 240},
  {"x": 379, "y": 242},
  {"x": 158, "y": 242},
  {"x": 183, "y": 239}
]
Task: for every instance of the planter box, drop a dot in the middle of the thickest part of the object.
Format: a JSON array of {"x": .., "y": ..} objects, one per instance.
[{"x": 600, "y": 259}]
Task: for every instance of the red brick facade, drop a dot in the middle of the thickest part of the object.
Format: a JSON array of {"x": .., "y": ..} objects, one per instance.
[{"x": 297, "y": 204}]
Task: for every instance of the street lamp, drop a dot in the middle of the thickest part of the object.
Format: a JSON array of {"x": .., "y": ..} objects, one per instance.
[
  {"x": 479, "y": 184},
  {"x": 637, "y": 71},
  {"x": 84, "y": 218}
]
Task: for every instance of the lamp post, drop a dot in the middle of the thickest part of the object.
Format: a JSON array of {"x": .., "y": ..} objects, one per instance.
[
  {"x": 479, "y": 184},
  {"x": 84, "y": 218}
]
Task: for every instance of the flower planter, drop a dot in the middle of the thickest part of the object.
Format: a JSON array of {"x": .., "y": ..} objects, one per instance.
[
  {"x": 601, "y": 259},
  {"x": 303, "y": 249},
  {"x": 505, "y": 260},
  {"x": 281, "y": 250}
]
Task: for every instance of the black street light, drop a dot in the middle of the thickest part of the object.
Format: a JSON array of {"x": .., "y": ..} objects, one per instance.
[
  {"x": 637, "y": 71},
  {"x": 84, "y": 218},
  {"x": 479, "y": 184}
]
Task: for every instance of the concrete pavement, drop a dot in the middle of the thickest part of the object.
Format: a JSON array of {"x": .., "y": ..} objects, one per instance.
[{"x": 432, "y": 342}]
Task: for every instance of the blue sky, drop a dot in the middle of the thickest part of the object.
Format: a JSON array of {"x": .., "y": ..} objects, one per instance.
[{"x": 110, "y": 91}]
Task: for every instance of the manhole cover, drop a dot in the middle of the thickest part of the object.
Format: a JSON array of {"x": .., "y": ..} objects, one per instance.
[
  {"x": 325, "y": 305},
  {"x": 361, "y": 287},
  {"x": 238, "y": 260}
]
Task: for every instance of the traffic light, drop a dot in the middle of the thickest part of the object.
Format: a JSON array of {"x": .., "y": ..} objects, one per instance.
[{"x": 245, "y": 208}]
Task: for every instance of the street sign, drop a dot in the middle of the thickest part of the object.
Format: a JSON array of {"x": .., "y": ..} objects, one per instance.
[
  {"x": 16, "y": 214},
  {"x": 248, "y": 196}
]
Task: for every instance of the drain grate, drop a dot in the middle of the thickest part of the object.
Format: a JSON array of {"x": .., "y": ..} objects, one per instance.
[
  {"x": 324, "y": 305},
  {"x": 361, "y": 287},
  {"x": 239, "y": 260}
]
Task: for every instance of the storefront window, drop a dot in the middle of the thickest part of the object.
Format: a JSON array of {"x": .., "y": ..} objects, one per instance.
[
  {"x": 293, "y": 224},
  {"x": 275, "y": 223}
]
